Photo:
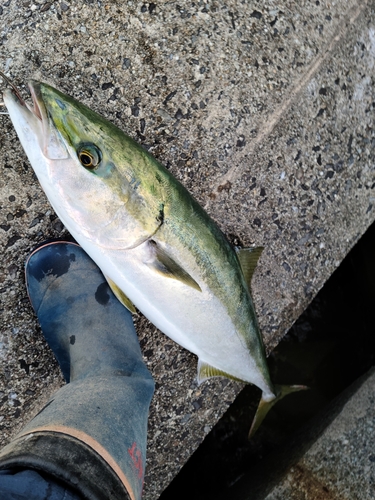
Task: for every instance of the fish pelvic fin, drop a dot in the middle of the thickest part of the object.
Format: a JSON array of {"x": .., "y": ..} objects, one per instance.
[
  {"x": 248, "y": 258},
  {"x": 206, "y": 371},
  {"x": 166, "y": 266},
  {"x": 125, "y": 301},
  {"x": 266, "y": 404}
]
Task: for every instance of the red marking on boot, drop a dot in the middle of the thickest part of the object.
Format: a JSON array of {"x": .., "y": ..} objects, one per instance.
[{"x": 136, "y": 456}]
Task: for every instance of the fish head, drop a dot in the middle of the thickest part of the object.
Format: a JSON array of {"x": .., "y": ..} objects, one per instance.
[{"x": 90, "y": 170}]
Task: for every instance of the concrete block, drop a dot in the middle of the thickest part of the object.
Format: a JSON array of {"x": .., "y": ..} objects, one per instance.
[{"x": 331, "y": 458}]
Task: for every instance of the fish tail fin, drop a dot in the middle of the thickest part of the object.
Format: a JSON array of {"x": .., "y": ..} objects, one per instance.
[{"x": 266, "y": 404}]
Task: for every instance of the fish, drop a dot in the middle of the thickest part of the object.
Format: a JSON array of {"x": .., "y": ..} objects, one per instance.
[{"x": 157, "y": 247}]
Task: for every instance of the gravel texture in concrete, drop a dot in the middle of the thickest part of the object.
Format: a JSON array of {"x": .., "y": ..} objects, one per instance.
[
  {"x": 263, "y": 109},
  {"x": 330, "y": 458},
  {"x": 340, "y": 464}
]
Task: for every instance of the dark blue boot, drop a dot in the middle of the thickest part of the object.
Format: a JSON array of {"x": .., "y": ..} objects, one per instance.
[{"x": 92, "y": 433}]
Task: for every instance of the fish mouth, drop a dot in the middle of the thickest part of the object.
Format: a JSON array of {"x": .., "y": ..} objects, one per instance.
[
  {"x": 38, "y": 120},
  {"x": 37, "y": 107}
]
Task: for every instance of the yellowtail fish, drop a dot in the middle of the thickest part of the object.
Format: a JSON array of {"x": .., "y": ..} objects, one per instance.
[{"x": 157, "y": 247}]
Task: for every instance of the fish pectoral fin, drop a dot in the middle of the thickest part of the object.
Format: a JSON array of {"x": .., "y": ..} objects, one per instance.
[
  {"x": 125, "y": 301},
  {"x": 248, "y": 258},
  {"x": 266, "y": 404},
  {"x": 165, "y": 265},
  {"x": 206, "y": 371}
]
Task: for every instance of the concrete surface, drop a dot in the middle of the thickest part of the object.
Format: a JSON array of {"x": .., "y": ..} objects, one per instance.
[
  {"x": 264, "y": 110},
  {"x": 340, "y": 465},
  {"x": 330, "y": 459}
]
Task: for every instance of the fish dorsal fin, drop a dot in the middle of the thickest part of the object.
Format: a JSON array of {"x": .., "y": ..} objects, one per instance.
[
  {"x": 125, "y": 301},
  {"x": 248, "y": 258},
  {"x": 165, "y": 265},
  {"x": 206, "y": 371}
]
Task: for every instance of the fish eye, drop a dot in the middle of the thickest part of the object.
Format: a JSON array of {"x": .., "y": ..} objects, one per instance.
[{"x": 89, "y": 155}]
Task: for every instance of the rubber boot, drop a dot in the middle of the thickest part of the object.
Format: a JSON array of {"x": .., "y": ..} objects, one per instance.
[{"x": 92, "y": 433}]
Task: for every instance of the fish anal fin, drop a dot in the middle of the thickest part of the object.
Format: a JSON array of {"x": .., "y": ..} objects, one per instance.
[
  {"x": 266, "y": 404},
  {"x": 206, "y": 371},
  {"x": 248, "y": 258},
  {"x": 169, "y": 268},
  {"x": 125, "y": 301}
]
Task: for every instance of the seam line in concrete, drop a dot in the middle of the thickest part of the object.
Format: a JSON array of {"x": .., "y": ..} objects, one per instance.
[{"x": 271, "y": 122}]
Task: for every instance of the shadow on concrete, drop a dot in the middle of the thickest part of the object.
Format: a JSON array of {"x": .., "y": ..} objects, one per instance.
[{"x": 330, "y": 348}]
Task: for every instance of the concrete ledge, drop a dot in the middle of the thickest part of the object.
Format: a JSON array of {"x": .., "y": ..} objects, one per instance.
[
  {"x": 265, "y": 112},
  {"x": 331, "y": 458}
]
